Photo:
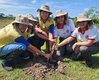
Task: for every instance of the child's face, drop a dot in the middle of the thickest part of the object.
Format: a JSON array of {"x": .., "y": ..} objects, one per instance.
[
  {"x": 33, "y": 23},
  {"x": 60, "y": 20},
  {"x": 44, "y": 15},
  {"x": 23, "y": 27},
  {"x": 82, "y": 24}
]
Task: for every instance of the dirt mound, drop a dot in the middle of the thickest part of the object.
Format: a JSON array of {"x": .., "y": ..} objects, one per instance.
[{"x": 39, "y": 67}]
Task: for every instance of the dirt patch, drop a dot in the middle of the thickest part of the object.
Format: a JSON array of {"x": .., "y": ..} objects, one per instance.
[{"x": 39, "y": 67}]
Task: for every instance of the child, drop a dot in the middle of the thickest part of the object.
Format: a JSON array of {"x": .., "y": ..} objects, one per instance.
[
  {"x": 64, "y": 28},
  {"x": 11, "y": 40},
  {"x": 88, "y": 40}
]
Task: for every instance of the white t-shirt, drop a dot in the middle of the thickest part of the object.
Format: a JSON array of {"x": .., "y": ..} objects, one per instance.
[
  {"x": 91, "y": 34},
  {"x": 65, "y": 31}
]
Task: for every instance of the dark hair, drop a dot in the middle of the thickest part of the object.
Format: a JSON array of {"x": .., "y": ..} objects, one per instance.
[
  {"x": 16, "y": 24},
  {"x": 47, "y": 17},
  {"x": 89, "y": 23},
  {"x": 65, "y": 19}
]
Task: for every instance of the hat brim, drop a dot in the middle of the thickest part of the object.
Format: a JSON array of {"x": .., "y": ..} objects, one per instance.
[
  {"x": 83, "y": 19},
  {"x": 44, "y": 10},
  {"x": 60, "y": 15},
  {"x": 29, "y": 24},
  {"x": 34, "y": 20}
]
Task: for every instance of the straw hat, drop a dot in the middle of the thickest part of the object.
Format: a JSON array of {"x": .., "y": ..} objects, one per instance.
[
  {"x": 21, "y": 20},
  {"x": 30, "y": 17},
  {"x": 45, "y": 8},
  {"x": 60, "y": 13},
  {"x": 82, "y": 17}
]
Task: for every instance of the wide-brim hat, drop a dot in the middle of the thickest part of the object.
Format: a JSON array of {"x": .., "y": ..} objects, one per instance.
[
  {"x": 21, "y": 20},
  {"x": 45, "y": 8},
  {"x": 82, "y": 18},
  {"x": 60, "y": 13},
  {"x": 31, "y": 17}
]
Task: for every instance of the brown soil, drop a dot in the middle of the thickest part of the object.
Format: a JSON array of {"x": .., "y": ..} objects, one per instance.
[{"x": 39, "y": 67}]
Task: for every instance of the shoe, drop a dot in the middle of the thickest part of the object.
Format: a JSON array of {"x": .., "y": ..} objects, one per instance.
[
  {"x": 89, "y": 63},
  {"x": 6, "y": 66},
  {"x": 53, "y": 62}
]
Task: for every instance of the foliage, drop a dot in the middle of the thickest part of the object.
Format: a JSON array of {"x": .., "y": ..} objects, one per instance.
[
  {"x": 91, "y": 12},
  {"x": 95, "y": 20}
]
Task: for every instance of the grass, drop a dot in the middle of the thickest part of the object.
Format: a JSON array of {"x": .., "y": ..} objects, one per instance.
[
  {"x": 5, "y": 21},
  {"x": 97, "y": 25},
  {"x": 75, "y": 70},
  {"x": 16, "y": 74}
]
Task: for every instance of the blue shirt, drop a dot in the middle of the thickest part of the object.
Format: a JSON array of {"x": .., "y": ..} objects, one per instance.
[{"x": 21, "y": 39}]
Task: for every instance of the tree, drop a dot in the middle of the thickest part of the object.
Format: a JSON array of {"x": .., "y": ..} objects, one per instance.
[
  {"x": 2, "y": 15},
  {"x": 91, "y": 12}
]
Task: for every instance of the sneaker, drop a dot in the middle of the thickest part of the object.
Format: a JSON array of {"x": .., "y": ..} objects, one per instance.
[
  {"x": 89, "y": 63},
  {"x": 53, "y": 62},
  {"x": 6, "y": 66}
]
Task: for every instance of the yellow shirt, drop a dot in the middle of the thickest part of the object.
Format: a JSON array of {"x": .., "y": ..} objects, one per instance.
[
  {"x": 47, "y": 24},
  {"x": 8, "y": 34},
  {"x": 26, "y": 35}
]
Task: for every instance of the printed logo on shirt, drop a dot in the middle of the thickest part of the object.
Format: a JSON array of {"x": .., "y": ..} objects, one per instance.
[
  {"x": 87, "y": 36},
  {"x": 63, "y": 32},
  {"x": 67, "y": 31}
]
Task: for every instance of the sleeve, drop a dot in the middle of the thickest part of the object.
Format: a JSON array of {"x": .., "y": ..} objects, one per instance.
[
  {"x": 71, "y": 24},
  {"x": 74, "y": 34},
  {"x": 92, "y": 34},
  {"x": 51, "y": 29},
  {"x": 21, "y": 39},
  {"x": 55, "y": 33}
]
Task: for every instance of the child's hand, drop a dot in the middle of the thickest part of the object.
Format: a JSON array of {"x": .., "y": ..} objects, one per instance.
[
  {"x": 48, "y": 56},
  {"x": 56, "y": 47},
  {"x": 52, "y": 40}
]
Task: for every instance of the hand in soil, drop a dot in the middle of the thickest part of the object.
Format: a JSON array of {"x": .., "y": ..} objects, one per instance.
[{"x": 48, "y": 56}]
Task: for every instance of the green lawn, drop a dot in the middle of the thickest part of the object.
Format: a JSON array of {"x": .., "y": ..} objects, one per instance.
[
  {"x": 5, "y": 21},
  {"x": 75, "y": 70}
]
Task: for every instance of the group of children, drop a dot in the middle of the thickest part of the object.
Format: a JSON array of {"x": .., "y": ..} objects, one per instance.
[{"x": 26, "y": 35}]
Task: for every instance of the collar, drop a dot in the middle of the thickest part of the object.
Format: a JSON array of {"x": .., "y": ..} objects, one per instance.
[
  {"x": 81, "y": 31},
  {"x": 58, "y": 25}
]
